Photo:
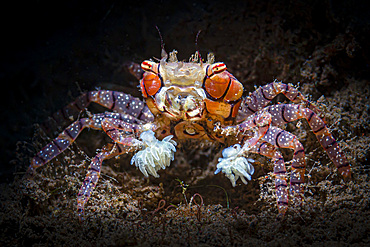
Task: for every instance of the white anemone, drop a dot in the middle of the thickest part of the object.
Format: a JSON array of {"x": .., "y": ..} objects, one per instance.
[
  {"x": 155, "y": 155},
  {"x": 234, "y": 165}
]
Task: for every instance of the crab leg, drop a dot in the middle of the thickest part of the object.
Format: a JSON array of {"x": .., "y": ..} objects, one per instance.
[
  {"x": 93, "y": 173},
  {"x": 154, "y": 154},
  {"x": 121, "y": 102},
  {"x": 263, "y": 95},
  {"x": 283, "y": 139},
  {"x": 69, "y": 135},
  {"x": 113, "y": 100},
  {"x": 119, "y": 131},
  {"x": 285, "y": 113},
  {"x": 275, "y": 137},
  {"x": 259, "y": 122},
  {"x": 278, "y": 138},
  {"x": 281, "y": 187}
]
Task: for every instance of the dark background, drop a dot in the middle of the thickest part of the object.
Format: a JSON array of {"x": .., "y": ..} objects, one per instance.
[{"x": 49, "y": 46}]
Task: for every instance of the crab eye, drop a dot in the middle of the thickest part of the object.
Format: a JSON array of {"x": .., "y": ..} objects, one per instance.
[
  {"x": 218, "y": 67},
  {"x": 150, "y": 66}
]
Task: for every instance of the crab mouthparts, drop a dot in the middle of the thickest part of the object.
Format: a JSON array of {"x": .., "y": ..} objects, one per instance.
[
  {"x": 185, "y": 102},
  {"x": 182, "y": 103},
  {"x": 185, "y": 105}
]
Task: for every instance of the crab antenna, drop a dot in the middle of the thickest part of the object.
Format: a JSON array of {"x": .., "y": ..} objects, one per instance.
[
  {"x": 163, "y": 52},
  {"x": 196, "y": 46}
]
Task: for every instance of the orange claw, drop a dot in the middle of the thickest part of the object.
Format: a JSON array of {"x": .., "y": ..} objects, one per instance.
[
  {"x": 150, "y": 84},
  {"x": 235, "y": 91},
  {"x": 224, "y": 89},
  {"x": 217, "y": 85}
]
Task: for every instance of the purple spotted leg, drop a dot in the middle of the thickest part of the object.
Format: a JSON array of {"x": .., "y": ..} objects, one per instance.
[
  {"x": 69, "y": 135},
  {"x": 93, "y": 173},
  {"x": 281, "y": 186},
  {"x": 282, "y": 139},
  {"x": 125, "y": 107},
  {"x": 285, "y": 113},
  {"x": 124, "y": 132},
  {"x": 260, "y": 98},
  {"x": 113, "y": 100}
]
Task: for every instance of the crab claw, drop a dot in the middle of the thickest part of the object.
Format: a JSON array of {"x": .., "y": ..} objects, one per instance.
[
  {"x": 234, "y": 165},
  {"x": 155, "y": 155}
]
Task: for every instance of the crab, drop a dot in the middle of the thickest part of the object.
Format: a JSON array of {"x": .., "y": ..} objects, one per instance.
[{"x": 202, "y": 101}]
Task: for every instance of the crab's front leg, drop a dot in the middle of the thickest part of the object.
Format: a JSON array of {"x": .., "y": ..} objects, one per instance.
[
  {"x": 93, "y": 173},
  {"x": 233, "y": 163},
  {"x": 155, "y": 154}
]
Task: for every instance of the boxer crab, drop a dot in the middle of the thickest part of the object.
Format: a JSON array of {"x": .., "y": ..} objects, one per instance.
[{"x": 200, "y": 101}]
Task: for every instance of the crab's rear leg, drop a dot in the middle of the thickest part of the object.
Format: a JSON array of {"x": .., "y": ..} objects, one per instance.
[
  {"x": 113, "y": 100},
  {"x": 261, "y": 97},
  {"x": 121, "y": 102},
  {"x": 283, "y": 139},
  {"x": 281, "y": 187},
  {"x": 279, "y": 138},
  {"x": 285, "y": 113},
  {"x": 93, "y": 173},
  {"x": 69, "y": 135}
]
